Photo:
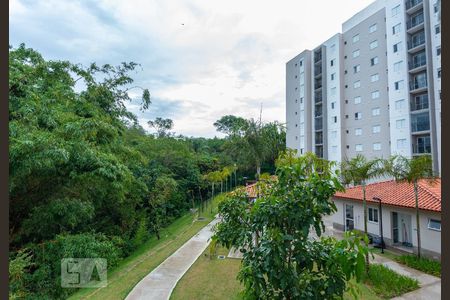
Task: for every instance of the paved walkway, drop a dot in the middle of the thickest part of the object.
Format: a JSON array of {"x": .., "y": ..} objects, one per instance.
[{"x": 159, "y": 284}]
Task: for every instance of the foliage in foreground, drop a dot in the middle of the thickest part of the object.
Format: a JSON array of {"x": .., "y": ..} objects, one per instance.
[
  {"x": 387, "y": 283},
  {"x": 423, "y": 264},
  {"x": 280, "y": 259}
]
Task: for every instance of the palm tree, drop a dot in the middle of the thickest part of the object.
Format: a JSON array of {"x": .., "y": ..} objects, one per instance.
[
  {"x": 358, "y": 171},
  {"x": 411, "y": 170}
]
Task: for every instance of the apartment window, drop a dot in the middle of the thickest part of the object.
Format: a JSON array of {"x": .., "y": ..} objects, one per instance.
[
  {"x": 439, "y": 73},
  {"x": 437, "y": 29},
  {"x": 373, "y": 28},
  {"x": 335, "y": 119},
  {"x": 373, "y": 45},
  {"x": 301, "y": 63},
  {"x": 375, "y": 94},
  {"x": 358, "y": 131},
  {"x": 374, "y": 77},
  {"x": 399, "y": 85},
  {"x": 376, "y": 146},
  {"x": 355, "y": 38},
  {"x": 332, "y": 62},
  {"x": 374, "y": 61},
  {"x": 376, "y": 129},
  {"x": 301, "y": 100},
  {"x": 434, "y": 224},
  {"x": 357, "y": 84},
  {"x": 355, "y": 53},
  {"x": 333, "y": 104},
  {"x": 295, "y": 112},
  {"x": 333, "y": 47},
  {"x": 396, "y": 28},
  {"x": 397, "y": 47},
  {"x": 401, "y": 143},
  {"x": 333, "y": 134},
  {"x": 373, "y": 215},
  {"x": 438, "y": 50},
  {"x": 400, "y": 123},
  {"x": 396, "y": 10},
  {"x": 333, "y": 91},
  {"x": 376, "y": 111},
  {"x": 334, "y": 149},
  {"x": 333, "y": 76},
  {"x": 358, "y": 116},
  {"x": 397, "y": 66},
  {"x": 436, "y": 8},
  {"x": 356, "y": 68},
  {"x": 357, "y": 100},
  {"x": 358, "y": 147},
  {"x": 400, "y": 104}
]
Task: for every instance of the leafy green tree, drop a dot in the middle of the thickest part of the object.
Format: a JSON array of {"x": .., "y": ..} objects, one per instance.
[
  {"x": 280, "y": 260},
  {"x": 358, "y": 171},
  {"x": 162, "y": 126},
  {"x": 231, "y": 125},
  {"x": 411, "y": 170}
]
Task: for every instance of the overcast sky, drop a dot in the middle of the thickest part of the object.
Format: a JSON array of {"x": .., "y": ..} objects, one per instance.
[{"x": 227, "y": 58}]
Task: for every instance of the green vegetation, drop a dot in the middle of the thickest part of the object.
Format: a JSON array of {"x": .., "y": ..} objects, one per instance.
[
  {"x": 387, "y": 283},
  {"x": 86, "y": 180},
  {"x": 280, "y": 261},
  {"x": 423, "y": 264}
]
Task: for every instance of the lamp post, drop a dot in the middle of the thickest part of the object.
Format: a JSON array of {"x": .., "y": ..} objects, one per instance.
[{"x": 381, "y": 223}]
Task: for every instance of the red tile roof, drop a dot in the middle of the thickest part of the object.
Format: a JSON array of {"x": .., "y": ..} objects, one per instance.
[{"x": 398, "y": 194}]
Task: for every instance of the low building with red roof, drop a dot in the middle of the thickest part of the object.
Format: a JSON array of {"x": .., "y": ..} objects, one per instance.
[{"x": 398, "y": 214}]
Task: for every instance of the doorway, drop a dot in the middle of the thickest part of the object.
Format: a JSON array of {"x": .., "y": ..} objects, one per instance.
[{"x": 349, "y": 217}]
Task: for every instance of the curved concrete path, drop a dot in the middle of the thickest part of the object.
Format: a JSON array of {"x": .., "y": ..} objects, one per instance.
[{"x": 159, "y": 284}]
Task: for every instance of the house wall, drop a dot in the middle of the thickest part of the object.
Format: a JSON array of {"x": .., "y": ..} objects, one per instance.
[{"x": 430, "y": 239}]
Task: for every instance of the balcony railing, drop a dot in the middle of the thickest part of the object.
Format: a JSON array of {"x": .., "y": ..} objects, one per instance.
[
  {"x": 417, "y": 84},
  {"x": 419, "y": 102},
  {"x": 417, "y": 61},
  {"x": 412, "y": 3},
  {"x": 317, "y": 70},
  {"x": 317, "y": 86},
  {"x": 420, "y": 40},
  {"x": 319, "y": 151},
  {"x": 415, "y": 21},
  {"x": 422, "y": 148},
  {"x": 318, "y": 124},
  {"x": 420, "y": 122}
]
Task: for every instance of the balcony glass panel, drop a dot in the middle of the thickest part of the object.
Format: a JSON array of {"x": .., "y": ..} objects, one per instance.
[
  {"x": 420, "y": 122},
  {"x": 419, "y": 102},
  {"x": 412, "y": 3},
  {"x": 418, "y": 60},
  {"x": 417, "y": 40},
  {"x": 422, "y": 145},
  {"x": 415, "y": 20}
]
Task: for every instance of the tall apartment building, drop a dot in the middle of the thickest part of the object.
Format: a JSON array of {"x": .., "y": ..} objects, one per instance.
[{"x": 373, "y": 89}]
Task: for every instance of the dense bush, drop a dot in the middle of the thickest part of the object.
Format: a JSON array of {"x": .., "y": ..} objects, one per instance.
[{"x": 426, "y": 265}]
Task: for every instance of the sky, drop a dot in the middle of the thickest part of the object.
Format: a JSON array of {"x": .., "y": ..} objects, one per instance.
[{"x": 200, "y": 59}]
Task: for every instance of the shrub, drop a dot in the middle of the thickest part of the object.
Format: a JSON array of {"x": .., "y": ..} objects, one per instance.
[
  {"x": 426, "y": 265},
  {"x": 387, "y": 284}
]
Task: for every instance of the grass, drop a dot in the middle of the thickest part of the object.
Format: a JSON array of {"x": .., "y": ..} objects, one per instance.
[
  {"x": 210, "y": 279},
  {"x": 387, "y": 283},
  {"x": 148, "y": 256},
  {"x": 425, "y": 265}
]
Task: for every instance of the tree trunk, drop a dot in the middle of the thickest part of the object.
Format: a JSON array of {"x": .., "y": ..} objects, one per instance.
[
  {"x": 258, "y": 171},
  {"x": 416, "y": 193},
  {"x": 221, "y": 187},
  {"x": 365, "y": 222}
]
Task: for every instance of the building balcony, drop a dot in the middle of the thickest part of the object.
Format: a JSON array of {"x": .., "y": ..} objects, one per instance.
[
  {"x": 420, "y": 123},
  {"x": 413, "y": 6},
  {"x": 417, "y": 44},
  {"x": 418, "y": 64},
  {"x": 419, "y": 103},
  {"x": 414, "y": 25},
  {"x": 417, "y": 86},
  {"x": 419, "y": 149}
]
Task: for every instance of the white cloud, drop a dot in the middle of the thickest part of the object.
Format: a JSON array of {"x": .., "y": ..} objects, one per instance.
[{"x": 227, "y": 58}]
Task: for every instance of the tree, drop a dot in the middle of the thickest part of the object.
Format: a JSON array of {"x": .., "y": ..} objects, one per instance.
[
  {"x": 358, "y": 171},
  {"x": 231, "y": 125},
  {"x": 411, "y": 170},
  {"x": 162, "y": 126},
  {"x": 280, "y": 261}
]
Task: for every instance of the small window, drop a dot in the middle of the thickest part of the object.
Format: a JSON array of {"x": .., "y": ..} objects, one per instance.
[
  {"x": 332, "y": 62},
  {"x": 437, "y": 29},
  {"x": 333, "y": 104},
  {"x": 358, "y": 147},
  {"x": 335, "y": 119},
  {"x": 434, "y": 224},
  {"x": 399, "y": 85},
  {"x": 374, "y": 61},
  {"x": 376, "y": 111},
  {"x": 301, "y": 100},
  {"x": 334, "y": 149},
  {"x": 373, "y": 45},
  {"x": 333, "y": 91},
  {"x": 396, "y": 10},
  {"x": 397, "y": 66},
  {"x": 357, "y": 84},
  {"x": 301, "y": 63},
  {"x": 373, "y": 28},
  {"x": 333, "y": 76},
  {"x": 376, "y": 146},
  {"x": 399, "y": 124},
  {"x": 358, "y": 116},
  {"x": 374, "y": 77},
  {"x": 438, "y": 51},
  {"x": 396, "y": 29},
  {"x": 355, "y": 53},
  {"x": 357, "y": 100},
  {"x": 355, "y": 38},
  {"x": 375, "y": 94},
  {"x": 356, "y": 68},
  {"x": 358, "y": 131},
  {"x": 373, "y": 215},
  {"x": 334, "y": 134},
  {"x": 439, "y": 73},
  {"x": 400, "y": 104},
  {"x": 397, "y": 47},
  {"x": 401, "y": 143},
  {"x": 295, "y": 112},
  {"x": 376, "y": 129},
  {"x": 436, "y": 8}
]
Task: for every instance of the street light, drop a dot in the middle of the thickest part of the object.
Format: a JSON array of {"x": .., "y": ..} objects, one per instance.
[{"x": 381, "y": 223}]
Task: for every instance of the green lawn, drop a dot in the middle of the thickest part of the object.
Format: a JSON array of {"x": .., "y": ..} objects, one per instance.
[
  {"x": 124, "y": 277},
  {"x": 216, "y": 279}
]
